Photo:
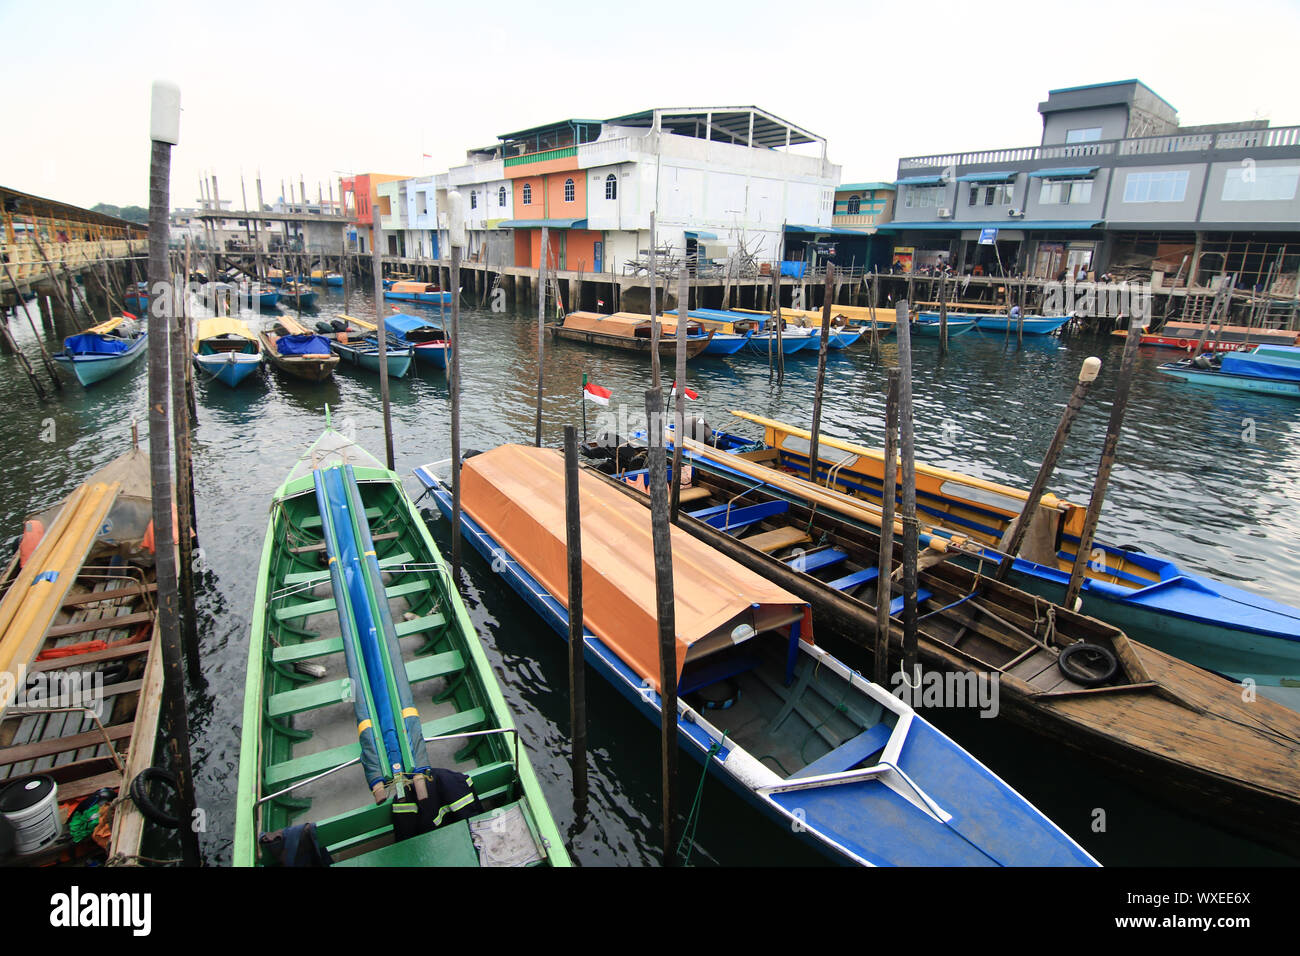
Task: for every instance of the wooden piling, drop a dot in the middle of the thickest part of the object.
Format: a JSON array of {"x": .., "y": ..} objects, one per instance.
[
  {"x": 679, "y": 380},
  {"x": 907, "y": 450},
  {"x": 1107, "y": 462},
  {"x": 383, "y": 334},
  {"x": 160, "y": 460},
  {"x": 885, "y": 557},
  {"x": 577, "y": 643},
  {"x": 654, "y": 313},
  {"x": 813, "y": 449},
  {"x": 943, "y": 316},
  {"x": 453, "y": 386},
  {"x": 1020, "y": 527},
  {"x": 541, "y": 333},
  {"x": 666, "y": 612},
  {"x": 175, "y": 319}
]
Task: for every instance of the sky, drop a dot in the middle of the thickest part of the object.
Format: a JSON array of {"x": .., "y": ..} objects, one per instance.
[{"x": 326, "y": 89}]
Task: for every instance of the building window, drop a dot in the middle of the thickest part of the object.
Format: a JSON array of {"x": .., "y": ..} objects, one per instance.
[
  {"x": 528, "y": 194},
  {"x": 473, "y": 200},
  {"x": 501, "y": 196},
  {"x": 855, "y": 205},
  {"x": 568, "y": 190},
  {"x": 926, "y": 197},
  {"x": 1073, "y": 192},
  {"x": 1255, "y": 183},
  {"x": 1089, "y": 134},
  {"x": 611, "y": 186},
  {"x": 994, "y": 194},
  {"x": 1156, "y": 187}
]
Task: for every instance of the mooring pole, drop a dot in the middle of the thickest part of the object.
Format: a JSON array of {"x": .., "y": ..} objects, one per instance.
[
  {"x": 661, "y": 532},
  {"x": 165, "y": 133},
  {"x": 775, "y": 311},
  {"x": 813, "y": 449},
  {"x": 1020, "y": 527},
  {"x": 377, "y": 232},
  {"x": 907, "y": 450},
  {"x": 679, "y": 425},
  {"x": 885, "y": 557},
  {"x": 541, "y": 335},
  {"x": 654, "y": 313},
  {"x": 9, "y": 340},
  {"x": 943, "y": 316},
  {"x": 175, "y": 317},
  {"x": 456, "y": 238},
  {"x": 577, "y": 644},
  {"x": 1117, "y": 408}
]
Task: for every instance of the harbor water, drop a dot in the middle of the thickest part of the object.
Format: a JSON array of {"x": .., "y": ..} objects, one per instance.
[{"x": 1207, "y": 479}]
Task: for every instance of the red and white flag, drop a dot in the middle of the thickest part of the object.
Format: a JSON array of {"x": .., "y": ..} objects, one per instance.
[
  {"x": 596, "y": 393},
  {"x": 691, "y": 394}
]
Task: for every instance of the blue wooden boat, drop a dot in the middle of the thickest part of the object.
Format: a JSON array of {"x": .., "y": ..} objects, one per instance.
[
  {"x": 1269, "y": 369},
  {"x": 354, "y": 345},
  {"x": 268, "y": 299},
  {"x": 332, "y": 278},
  {"x": 137, "y": 299},
  {"x": 842, "y": 338},
  {"x": 926, "y": 324},
  {"x": 103, "y": 350},
  {"x": 792, "y": 341},
  {"x": 426, "y": 292},
  {"x": 297, "y": 295},
  {"x": 1217, "y": 626},
  {"x": 425, "y": 336},
  {"x": 818, "y": 749},
  {"x": 225, "y": 349},
  {"x": 1030, "y": 324}
]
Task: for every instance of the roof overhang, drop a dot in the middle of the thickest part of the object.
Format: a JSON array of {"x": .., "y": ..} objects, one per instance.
[
  {"x": 1064, "y": 172},
  {"x": 1001, "y": 176},
  {"x": 539, "y": 223},
  {"x": 946, "y": 225}
]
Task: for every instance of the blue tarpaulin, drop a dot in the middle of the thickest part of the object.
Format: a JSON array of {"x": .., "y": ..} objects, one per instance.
[
  {"x": 302, "y": 345},
  {"x": 94, "y": 344},
  {"x": 793, "y": 269}
]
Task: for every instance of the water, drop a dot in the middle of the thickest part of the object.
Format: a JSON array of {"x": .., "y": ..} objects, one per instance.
[{"x": 1211, "y": 480}]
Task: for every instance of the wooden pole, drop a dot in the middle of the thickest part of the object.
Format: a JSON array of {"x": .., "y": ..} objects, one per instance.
[
  {"x": 885, "y": 558},
  {"x": 377, "y": 262},
  {"x": 453, "y": 386},
  {"x": 13, "y": 346},
  {"x": 907, "y": 449},
  {"x": 1225, "y": 289},
  {"x": 776, "y": 308},
  {"x": 943, "y": 316},
  {"x": 541, "y": 332},
  {"x": 577, "y": 643},
  {"x": 665, "y": 607},
  {"x": 654, "y": 313},
  {"x": 780, "y": 346},
  {"x": 184, "y": 481},
  {"x": 679, "y": 379},
  {"x": 160, "y": 461},
  {"x": 1107, "y": 462},
  {"x": 1020, "y": 527},
  {"x": 813, "y": 450}
]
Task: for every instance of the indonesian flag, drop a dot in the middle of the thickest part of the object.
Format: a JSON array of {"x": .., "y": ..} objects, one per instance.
[
  {"x": 600, "y": 303},
  {"x": 594, "y": 392},
  {"x": 689, "y": 393}
]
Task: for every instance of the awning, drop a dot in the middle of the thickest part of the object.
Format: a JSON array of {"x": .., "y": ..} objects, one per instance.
[
  {"x": 695, "y": 234},
  {"x": 827, "y": 230},
  {"x": 920, "y": 181},
  {"x": 948, "y": 225},
  {"x": 1067, "y": 172},
  {"x": 548, "y": 223},
  {"x": 998, "y": 177}
]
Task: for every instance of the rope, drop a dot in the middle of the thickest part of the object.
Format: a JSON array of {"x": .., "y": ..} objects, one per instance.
[{"x": 693, "y": 817}]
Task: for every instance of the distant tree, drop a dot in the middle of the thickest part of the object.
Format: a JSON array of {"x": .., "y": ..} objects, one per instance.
[{"x": 138, "y": 214}]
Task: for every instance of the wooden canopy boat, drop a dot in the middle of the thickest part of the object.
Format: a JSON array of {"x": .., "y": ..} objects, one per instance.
[
  {"x": 103, "y": 350},
  {"x": 357, "y": 344},
  {"x": 318, "y": 277},
  {"x": 298, "y": 295},
  {"x": 362, "y": 653},
  {"x": 1214, "y": 625},
  {"x": 226, "y": 349},
  {"x": 408, "y": 291},
  {"x": 1229, "y": 338},
  {"x": 81, "y": 669},
  {"x": 297, "y": 352},
  {"x": 426, "y": 337},
  {"x": 1270, "y": 369},
  {"x": 630, "y": 331},
  {"x": 1171, "y": 727},
  {"x": 868, "y": 780}
]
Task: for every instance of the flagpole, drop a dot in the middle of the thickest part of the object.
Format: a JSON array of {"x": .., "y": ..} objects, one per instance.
[{"x": 584, "y": 409}]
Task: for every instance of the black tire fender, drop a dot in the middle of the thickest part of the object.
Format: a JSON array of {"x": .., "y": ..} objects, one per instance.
[
  {"x": 150, "y": 810},
  {"x": 1091, "y": 653}
]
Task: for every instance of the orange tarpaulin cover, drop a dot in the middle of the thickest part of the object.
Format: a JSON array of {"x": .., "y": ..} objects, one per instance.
[{"x": 516, "y": 494}]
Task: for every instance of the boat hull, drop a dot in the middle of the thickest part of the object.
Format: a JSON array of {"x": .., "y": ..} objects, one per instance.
[
  {"x": 725, "y": 343},
  {"x": 428, "y": 298},
  {"x": 790, "y": 344},
  {"x": 229, "y": 368},
  {"x": 931, "y": 330},
  {"x": 1242, "y": 383},
  {"x": 399, "y": 362},
  {"x": 90, "y": 369},
  {"x": 1030, "y": 325},
  {"x": 667, "y": 344}
]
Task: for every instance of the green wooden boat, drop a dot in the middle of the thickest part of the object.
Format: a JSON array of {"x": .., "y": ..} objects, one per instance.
[{"x": 361, "y": 720}]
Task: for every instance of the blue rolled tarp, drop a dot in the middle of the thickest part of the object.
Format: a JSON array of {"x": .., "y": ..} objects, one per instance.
[
  {"x": 307, "y": 344},
  {"x": 90, "y": 343},
  {"x": 793, "y": 269}
]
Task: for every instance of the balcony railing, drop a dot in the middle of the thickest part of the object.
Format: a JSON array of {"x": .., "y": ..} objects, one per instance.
[
  {"x": 1137, "y": 146},
  {"x": 542, "y": 157}
]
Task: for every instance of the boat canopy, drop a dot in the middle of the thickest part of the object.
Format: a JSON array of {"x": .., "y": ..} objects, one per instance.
[
  {"x": 414, "y": 287},
  {"x": 222, "y": 325},
  {"x": 88, "y": 343},
  {"x": 516, "y": 494},
  {"x": 1265, "y": 361},
  {"x": 307, "y": 344},
  {"x": 404, "y": 324},
  {"x": 620, "y": 323}
]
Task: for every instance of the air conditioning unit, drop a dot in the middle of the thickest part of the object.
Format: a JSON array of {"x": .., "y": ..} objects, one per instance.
[
  {"x": 1016, "y": 213},
  {"x": 945, "y": 212}
]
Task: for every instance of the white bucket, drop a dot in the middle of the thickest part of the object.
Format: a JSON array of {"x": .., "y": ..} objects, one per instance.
[{"x": 31, "y": 806}]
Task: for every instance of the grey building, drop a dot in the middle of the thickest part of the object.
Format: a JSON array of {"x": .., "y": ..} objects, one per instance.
[{"x": 1115, "y": 185}]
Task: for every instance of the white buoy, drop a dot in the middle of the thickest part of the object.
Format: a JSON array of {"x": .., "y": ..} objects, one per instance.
[{"x": 32, "y": 807}]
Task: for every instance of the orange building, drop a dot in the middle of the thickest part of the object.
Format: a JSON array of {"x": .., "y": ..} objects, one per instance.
[{"x": 359, "y": 198}]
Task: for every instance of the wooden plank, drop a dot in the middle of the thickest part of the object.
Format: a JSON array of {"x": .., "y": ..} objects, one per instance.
[
  {"x": 90, "y": 657},
  {"x": 57, "y": 745},
  {"x": 128, "y": 823},
  {"x": 100, "y": 624},
  {"x": 94, "y": 597}
]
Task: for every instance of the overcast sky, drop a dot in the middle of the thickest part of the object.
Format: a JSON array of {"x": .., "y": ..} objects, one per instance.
[{"x": 326, "y": 88}]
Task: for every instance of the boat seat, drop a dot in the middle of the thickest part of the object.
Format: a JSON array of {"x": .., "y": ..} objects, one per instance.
[
  {"x": 450, "y": 845},
  {"x": 687, "y": 495},
  {"x": 817, "y": 560},
  {"x": 308, "y": 608},
  {"x": 310, "y": 522},
  {"x": 314, "y": 577},
  {"x": 307, "y": 650},
  {"x": 308, "y": 765},
  {"x": 856, "y": 579},
  {"x": 848, "y": 754},
  {"x": 317, "y": 695},
  {"x": 738, "y": 518},
  {"x": 896, "y": 605},
  {"x": 776, "y": 539},
  {"x": 710, "y": 672}
]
